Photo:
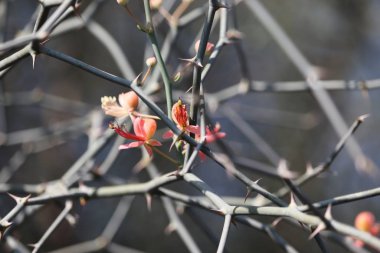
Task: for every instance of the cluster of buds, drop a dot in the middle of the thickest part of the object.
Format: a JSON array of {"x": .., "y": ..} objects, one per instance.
[{"x": 366, "y": 221}]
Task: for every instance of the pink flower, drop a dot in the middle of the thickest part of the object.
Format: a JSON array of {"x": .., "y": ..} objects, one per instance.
[
  {"x": 214, "y": 134},
  {"x": 211, "y": 136},
  {"x": 144, "y": 130},
  {"x": 128, "y": 103}
]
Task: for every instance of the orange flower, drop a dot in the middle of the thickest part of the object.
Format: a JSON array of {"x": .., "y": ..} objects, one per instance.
[
  {"x": 181, "y": 118},
  {"x": 128, "y": 103},
  {"x": 179, "y": 115},
  {"x": 144, "y": 130}
]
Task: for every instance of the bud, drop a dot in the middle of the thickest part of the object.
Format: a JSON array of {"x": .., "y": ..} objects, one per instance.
[
  {"x": 150, "y": 127},
  {"x": 179, "y": 114},
  {"x": 364, "y": 221},
  {"x": 155, "y": 4},
  {"x": 122, "y": 2},
  {"x": 209, "y": 47},
  {"x": 129, "y": 100},
  {"x": 177, "y": 77},
  {"x": 151, "y": 61}
]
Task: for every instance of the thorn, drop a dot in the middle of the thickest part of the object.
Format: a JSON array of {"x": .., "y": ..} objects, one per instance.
[
  {"x": 293, "y": 202},
  {"x": 328, "y": 213},
  {"x": 234, "y": 35},
  {"x": 33, "y": 55},
  {"x": 148, "y": 198},
  {"x": 249, "y": 191},
  {"x": 135, "y": 81},
  {"x": 284, "y": 171},
  {"x": 309, "y": 169},
  {"x": 19, "y": 200},
  {"x": 319, "y": 228},
  {"x": 363, "y": 117},
  {"x": 193, "y": 61},
  {"x": 170, "y": 228},
  {"x": 32, "y": 245},
  {"x": 276, "y": 222},
  {"x": 4, "y": 225}
]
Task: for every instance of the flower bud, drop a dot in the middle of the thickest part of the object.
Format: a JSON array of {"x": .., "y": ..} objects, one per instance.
[
  {"x": 209, "y": 47},
  {"x": 155, "y": 4},
  {"x": 179, "y": 114},
  {"x": 129, "y": 100},
  {"x": 151, "y": 61},
  {"x": 364, "y": 221}
]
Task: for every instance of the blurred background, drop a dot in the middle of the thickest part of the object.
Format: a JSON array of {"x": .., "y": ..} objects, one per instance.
[{"x": 340, "y": 37}]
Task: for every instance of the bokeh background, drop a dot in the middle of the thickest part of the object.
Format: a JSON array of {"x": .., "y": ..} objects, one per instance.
[{"x": 341, "y": 37}]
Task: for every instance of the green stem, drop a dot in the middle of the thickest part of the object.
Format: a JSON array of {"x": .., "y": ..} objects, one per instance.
[
  {"x": 160, "y": 61},
  {"x": 165, "y": 155}
]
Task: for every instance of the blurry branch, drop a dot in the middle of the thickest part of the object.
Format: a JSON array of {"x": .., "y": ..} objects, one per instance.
[
  {"x": 313, "y": 172},
  {"x": 43, "y": 30},
  {"x": 104, "y": 240},
  {"x": 53, "y": 226},
  {"x": 311, "y": 76}
]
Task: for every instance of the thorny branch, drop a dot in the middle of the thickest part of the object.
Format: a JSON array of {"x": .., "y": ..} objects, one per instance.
[{"x": 86, "y": 181}]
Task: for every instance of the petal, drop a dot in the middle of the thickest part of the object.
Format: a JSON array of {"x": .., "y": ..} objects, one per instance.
[
  {"x": 193, "y": 129},
  {"x": 154, "y": 142},
  {"x": 115, "y": 111},
  {"x": 214, "y": 136},
  {"x": 149, "y": 150},
  {"x": 169, "y": 134},
  {"x": 138, "y": 127},
  {"x": 127, "y": 135},
  {"x": 134, "y": 144}
]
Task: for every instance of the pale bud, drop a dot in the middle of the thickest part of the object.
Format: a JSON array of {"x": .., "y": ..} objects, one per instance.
[
  {"x": 155, "y": 4},
  {"x": 151, "y": 61}
]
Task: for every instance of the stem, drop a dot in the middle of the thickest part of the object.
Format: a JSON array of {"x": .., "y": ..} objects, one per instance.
[
  {"x": 146, "y": 74},
  {"x": 160, "y": 61},
  {"x": 165, "y": 155}
]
